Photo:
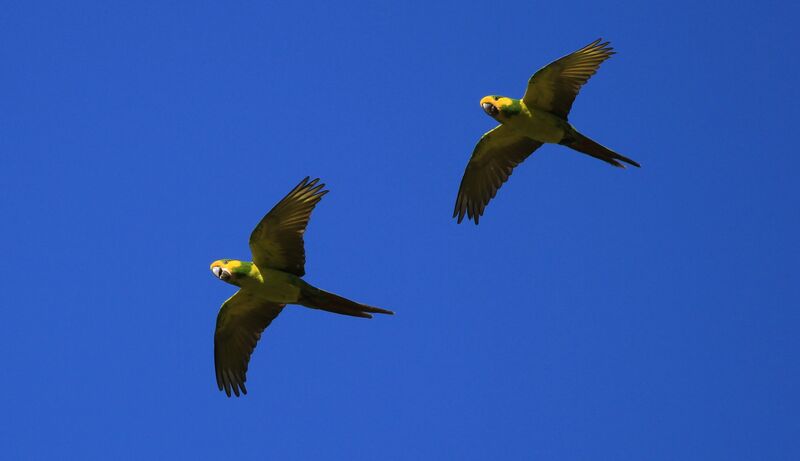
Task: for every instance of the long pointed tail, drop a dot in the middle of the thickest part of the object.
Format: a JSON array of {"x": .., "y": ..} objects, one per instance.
[
  {"x": 585, "y": 145},
  {"x": 321, "y": 299}
]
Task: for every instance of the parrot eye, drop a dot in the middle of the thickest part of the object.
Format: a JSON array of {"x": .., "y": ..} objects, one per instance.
[{"x": 490, "y": 109}]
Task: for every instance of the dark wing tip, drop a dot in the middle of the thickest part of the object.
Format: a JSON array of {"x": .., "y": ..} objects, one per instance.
[
  {"x": 601, "y": 46},
  {"x": 466, "y": 208},
  {"x": 306, "y": 184},
  {"x": 310, "y": 187},
  {"x": 463, "y": 210},
  {"x": 458, "y": 211},
  {"x": 232, "y": 385}
]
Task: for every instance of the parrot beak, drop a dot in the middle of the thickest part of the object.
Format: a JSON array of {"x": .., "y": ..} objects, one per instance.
[{"x": 221, "y": 273}]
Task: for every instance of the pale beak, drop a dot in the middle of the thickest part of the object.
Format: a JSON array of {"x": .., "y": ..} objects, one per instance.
[{"x": 490, "y": 109}]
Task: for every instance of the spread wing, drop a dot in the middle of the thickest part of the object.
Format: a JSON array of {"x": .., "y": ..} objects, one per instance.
[
  {"x": 240, "y": 322},
  {"x": 492, "y": 161},
  {"x": 277, "y": 241},
  {"x": 554, "y": 87}
]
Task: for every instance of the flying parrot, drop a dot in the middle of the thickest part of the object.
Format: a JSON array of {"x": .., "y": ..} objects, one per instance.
[
  {"x": 525, "y": 124},
  {"x": 271, "y": 281}
]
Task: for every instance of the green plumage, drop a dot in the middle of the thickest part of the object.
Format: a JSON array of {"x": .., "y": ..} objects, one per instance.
[
  {"x": 525, "y": 124},
  {"x": 269, "y": 283}
]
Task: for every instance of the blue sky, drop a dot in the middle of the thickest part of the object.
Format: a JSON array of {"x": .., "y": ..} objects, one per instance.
[{"x": 595, "y": 313}]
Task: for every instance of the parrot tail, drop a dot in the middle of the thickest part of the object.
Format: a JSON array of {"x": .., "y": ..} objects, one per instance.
[
  {"x": 321, "y": 299},
  {"x": 585, "y": 145}
]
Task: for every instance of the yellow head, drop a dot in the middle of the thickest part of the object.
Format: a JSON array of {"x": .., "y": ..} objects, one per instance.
[
  {"x": 501, "y": 107},
  {"x": 231, "y": 270}
]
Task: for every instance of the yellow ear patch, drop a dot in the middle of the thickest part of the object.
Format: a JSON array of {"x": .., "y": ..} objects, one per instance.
[
  {"x": 498, "y": 102},
  {"x": 227, "y": 264},
  {"x": 233, "y": 264},
  {"x": 504, "y": 102}
]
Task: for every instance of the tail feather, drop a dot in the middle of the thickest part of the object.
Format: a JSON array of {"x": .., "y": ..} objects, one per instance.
[
  {"x": 585, "y": 145},
  {"x": 321, "y": 299}
]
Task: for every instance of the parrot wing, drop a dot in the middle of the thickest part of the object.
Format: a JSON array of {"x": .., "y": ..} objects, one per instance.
[
  {"x": 277, "y": 241},
  {"x": 554, "y": 87},
  {"x": 492, "y": 161},
  {"x": 240, "y": 322}
]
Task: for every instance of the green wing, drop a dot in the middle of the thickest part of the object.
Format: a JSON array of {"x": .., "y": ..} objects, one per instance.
[
  {"x": 492, "y": 161},
  {"x": 240, "y": 322},
  {"x": 277, "y": 241},
  {"x": 554, "y": 87}
]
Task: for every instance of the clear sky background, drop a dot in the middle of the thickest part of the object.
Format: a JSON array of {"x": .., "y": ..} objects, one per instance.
[{"x": 595, "y": 313}]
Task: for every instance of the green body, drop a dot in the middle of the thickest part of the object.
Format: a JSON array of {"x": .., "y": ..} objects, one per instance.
[
  {"x": 270, "y": 282},
  {"x": 525, "y": 124},
  {"x": 266, "y": 284},
  {"x": 533, "y": 123}
]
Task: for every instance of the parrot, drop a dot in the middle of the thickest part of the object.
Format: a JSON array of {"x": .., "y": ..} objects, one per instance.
[
  {"x": 525, "y": 124},
  {"x": 268, "y": 283}
]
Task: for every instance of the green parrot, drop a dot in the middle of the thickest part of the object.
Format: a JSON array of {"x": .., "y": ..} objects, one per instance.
[
  {"x": 268, "y": 283},
  {"x": 525, "y": 124}
]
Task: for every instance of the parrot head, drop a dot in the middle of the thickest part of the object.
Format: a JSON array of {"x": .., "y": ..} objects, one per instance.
[
  {"x": 231, "y": 271},
  {"x": 500, "y": 107}
]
